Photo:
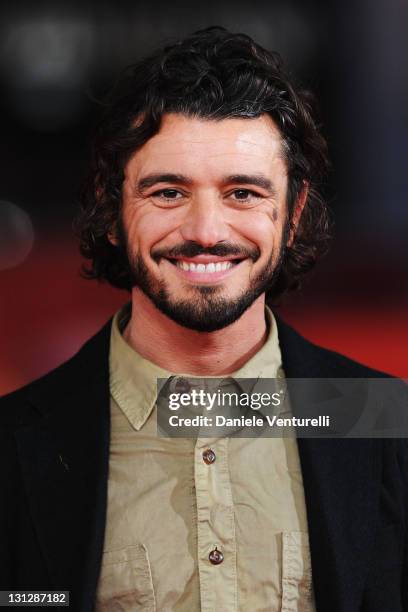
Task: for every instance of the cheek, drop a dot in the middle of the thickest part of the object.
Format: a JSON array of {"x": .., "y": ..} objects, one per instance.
[
  {"x": 263, "y": 230},
  {"x": 147, "y": 227}
]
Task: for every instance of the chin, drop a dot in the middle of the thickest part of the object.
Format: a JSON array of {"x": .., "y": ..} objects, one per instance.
[{"x": 208, "y": 314}]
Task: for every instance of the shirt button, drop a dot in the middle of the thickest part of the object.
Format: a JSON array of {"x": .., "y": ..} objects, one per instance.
[
  {"x": 216, "y": 557},
  {"x": 209, "y": 456},
  {"x": 182, "y": 386}
]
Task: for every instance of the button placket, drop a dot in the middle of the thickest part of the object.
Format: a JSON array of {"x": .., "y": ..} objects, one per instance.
[{"x": 216, "y": 527}]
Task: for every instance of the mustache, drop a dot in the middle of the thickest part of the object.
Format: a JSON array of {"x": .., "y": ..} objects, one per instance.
[{"x": 191, "y": 249}]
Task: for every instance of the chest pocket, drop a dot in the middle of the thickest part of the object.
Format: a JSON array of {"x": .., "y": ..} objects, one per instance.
[
  {"x": 297, "y": 587},
  {"x": 125, "y": 582}
]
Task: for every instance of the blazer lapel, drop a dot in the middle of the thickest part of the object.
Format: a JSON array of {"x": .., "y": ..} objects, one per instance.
[
  {"x": 64, "y": 456},
  {"x": 341, "y": 480}
]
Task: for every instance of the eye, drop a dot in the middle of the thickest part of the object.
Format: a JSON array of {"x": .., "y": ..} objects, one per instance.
[
  {"x": 244, "y": 195},
  {"x": 168, "y": 194}
]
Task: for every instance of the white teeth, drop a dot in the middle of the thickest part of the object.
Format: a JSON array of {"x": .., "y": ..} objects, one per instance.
[{"x": 201, "y": 268}]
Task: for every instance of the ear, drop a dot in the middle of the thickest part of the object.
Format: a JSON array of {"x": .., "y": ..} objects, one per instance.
[
  {"x": 112, "y": 237},
  {"x": 113, "y": 234},
  {"x": 99, "y": 192},
  {"x": 297, "y": 212}
]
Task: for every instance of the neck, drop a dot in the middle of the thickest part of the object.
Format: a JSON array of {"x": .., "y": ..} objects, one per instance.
[{"x": 180, "y": 350}]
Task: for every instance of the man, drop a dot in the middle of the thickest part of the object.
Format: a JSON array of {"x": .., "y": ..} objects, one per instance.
[{"x": 203, "y": 200}]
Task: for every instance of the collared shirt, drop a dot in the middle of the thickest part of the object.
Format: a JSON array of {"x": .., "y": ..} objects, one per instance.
[{"x": 170, "y": 509}]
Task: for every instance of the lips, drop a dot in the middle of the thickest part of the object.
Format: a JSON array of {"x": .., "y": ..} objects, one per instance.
[
  {"x": 195, "y": 253},
  {"x": 196, "y": 263}
]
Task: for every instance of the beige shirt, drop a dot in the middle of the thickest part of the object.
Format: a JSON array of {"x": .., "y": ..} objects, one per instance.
[{"x": 168, "y": 508}]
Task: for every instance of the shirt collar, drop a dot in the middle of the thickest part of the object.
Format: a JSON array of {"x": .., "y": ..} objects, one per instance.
[{"x": 133, "y": 379}]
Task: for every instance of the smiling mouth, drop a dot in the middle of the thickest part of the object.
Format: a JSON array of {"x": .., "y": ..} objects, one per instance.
[{"x": 208, "y": 267}]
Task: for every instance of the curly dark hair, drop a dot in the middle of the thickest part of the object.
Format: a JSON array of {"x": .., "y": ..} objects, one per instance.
[{"x": 212, "y": 74}]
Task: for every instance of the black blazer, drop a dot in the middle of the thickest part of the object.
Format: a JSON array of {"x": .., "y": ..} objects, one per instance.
[{"x": 54, "y": 455}]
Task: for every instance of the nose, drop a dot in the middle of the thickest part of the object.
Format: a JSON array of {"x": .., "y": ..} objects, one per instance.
[{"x": 204, "y": 222}]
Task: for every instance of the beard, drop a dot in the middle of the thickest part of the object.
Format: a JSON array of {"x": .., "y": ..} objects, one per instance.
[{"x": 206, "y": 311}]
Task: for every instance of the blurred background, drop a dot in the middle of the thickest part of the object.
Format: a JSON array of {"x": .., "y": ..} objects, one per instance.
[{"x": 54, "y": 59}]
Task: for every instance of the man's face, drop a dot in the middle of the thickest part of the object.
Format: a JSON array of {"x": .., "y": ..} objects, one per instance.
[{"x": 204, "y": 217}]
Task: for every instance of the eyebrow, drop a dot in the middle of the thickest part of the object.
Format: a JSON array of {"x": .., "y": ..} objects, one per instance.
[
  {"x": 251, "y": 179},
  {"x": 153, "y": 179}
]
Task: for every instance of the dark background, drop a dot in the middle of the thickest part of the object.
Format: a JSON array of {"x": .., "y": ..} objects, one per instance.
[{"x": 55, "y": 58}]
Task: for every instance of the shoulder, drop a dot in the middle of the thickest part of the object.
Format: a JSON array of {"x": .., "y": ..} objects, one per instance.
[
  {"x": 90, "y": 362},
  {"x": 302, "y": 358}
]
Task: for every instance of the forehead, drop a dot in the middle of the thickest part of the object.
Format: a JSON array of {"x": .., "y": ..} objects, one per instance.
[{"x": 234, "y": 144}]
